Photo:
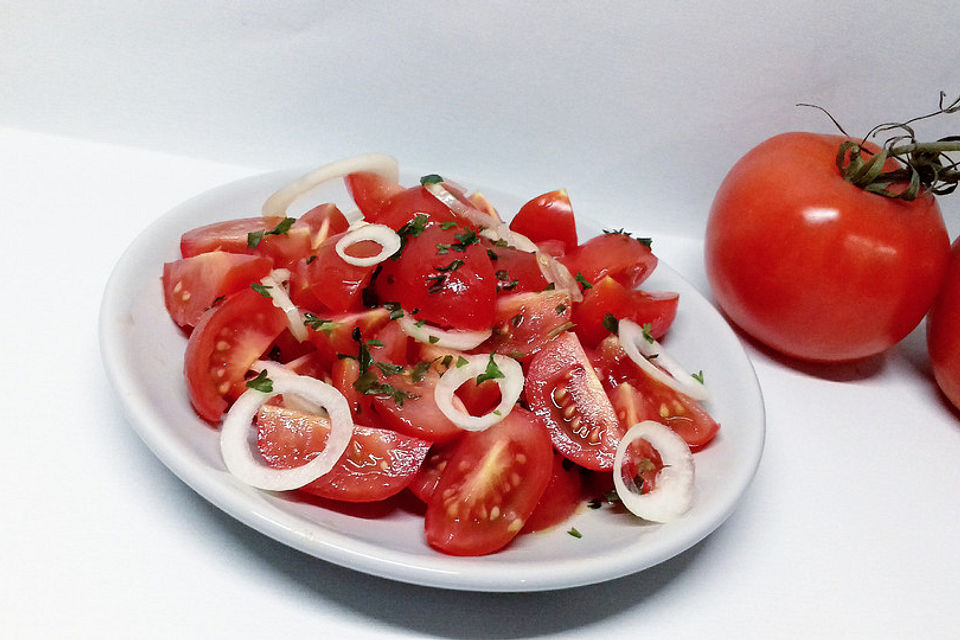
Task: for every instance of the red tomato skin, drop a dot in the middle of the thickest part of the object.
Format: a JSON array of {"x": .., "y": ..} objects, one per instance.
[
  {"x": 370, "y": 191},
  {"x": 525, "y": 323},
  {"x": 228, "y": 339},
  {"x": 813, "y": 266},
  {"x": 376, "y": 465},
  {"x": 564, "y": 493},
  {"x": 191, "y": 285},
  {"x": 943, "y": 331},
  {"x": 326, "y": 283},
  {"x": 658, "y": 309},
  {"x": 548, "y": 217},
  {"x": 401, "y": 208},
  {"x": 420, "y": 416},
  {"x": 506, "y": 466},
  {"x": 618, "y": 255},
  {"x": 232, "y": 236}
]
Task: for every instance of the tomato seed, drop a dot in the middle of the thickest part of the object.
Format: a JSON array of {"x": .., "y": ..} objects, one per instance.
[
  {"x": 223, "y": 345},
  {"x": 495, "y": 512},
  {"x": 521, "y": 458}
]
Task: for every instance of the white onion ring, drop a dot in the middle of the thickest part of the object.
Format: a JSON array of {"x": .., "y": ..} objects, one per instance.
[
  {"x": 673, "y": 489},
  {"x": 281, "y": 300},
  {"x": 556, "y": 272},
  {"x": 470, "y": 212},
  {"x": 460, "y": 340},
  {"x": 381, "y": 164},
  {"x": 511, "y": 384},
  {"x": 640, "y": 349},
  {"x": 234, "y": 434},
  {"x": 383, "y": 235}
]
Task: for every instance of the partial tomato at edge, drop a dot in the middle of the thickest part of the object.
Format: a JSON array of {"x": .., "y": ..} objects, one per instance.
[
  {"x": 813, "y": 266},
  {"x": 943, "y": 331}
]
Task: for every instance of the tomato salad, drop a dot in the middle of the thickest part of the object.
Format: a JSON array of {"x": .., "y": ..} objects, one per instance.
[{"x": 502, "y": 374}]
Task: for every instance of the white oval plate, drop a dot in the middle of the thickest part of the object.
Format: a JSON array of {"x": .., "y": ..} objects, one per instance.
[{"x": 143, "y": 352}]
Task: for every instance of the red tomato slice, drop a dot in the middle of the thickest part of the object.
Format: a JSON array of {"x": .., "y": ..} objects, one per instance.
[
  {"x": 418, "y": 416},
  {"x": 625, "y": 259},
  {"x": 450, "y": 287},
  {"x": 490, "y": 486},
  {"x": 321, "y": 222},
  {"x": 325, "y": 283},
  {"x": 548, "y": 217},
  {"x": 516, "y": 270},
  {"x": 376, "y": 465},
  {"x": 192, "y": 285},
  {"x": 564, "y": 390},
  {"x": 560, "y": 500},
  {"x": 370, "y": 191},
  {"x": 631, "y": 408},
  {"x": 427, "y": 478},
  {"x": 390, "y": 344},
  {"x": 403, "y": 206},
  {"x": 332, "y": 334},
  {"x": 233, "y": 236},
  {"x": 226, "y": 341},
  {"x": 661, "y": 403},
  {"x": 526, "y": 322},
  {"x": 658, "y": 309}
]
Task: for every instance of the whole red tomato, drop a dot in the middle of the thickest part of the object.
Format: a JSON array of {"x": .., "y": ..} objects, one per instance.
[
  {"x": 813, "y": 266},
  {"x": 943, "y": 330}
]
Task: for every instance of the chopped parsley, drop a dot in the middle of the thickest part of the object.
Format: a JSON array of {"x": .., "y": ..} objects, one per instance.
[
  {"x": 461, "y": 361},
  {"x": 447, "y": 359},
  {"x": 261, "y": 382},
  {"x": 645, "y": 241},
  {"x": 493, "y": 372},
  {"x": 584, "y": 283},
  {"x": 255, "y": 237},
  {"x": 560, "y": 308},
  {"x": 433, "y": 339},
  {"x": 493, "y": 256},
  {"x": 610, "y": 323},
  {"x": 261, "y": 289},
  {"x": 431, "y": 178},
  {"x": 573, "y": 532},
  {"x": 319, "y": 324},
  {"x": 420, "y": 369},
  {"x": 453, "y": 266},
  {"x": 311, "y": 259},
  {"x": 389, "y": 369},
  {"x": 647, "y": 328},
  {"x": 698, "y": 376},
  {"x": 448, "y": 225},
  {"x": 396, "y": 312}
]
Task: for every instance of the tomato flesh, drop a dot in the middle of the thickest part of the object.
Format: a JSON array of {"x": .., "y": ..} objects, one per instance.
[
  {"x": 223, "y": 346},
  {"x": 943, "y": 337},
  {"x": 548, "y": 217},
  {"x": 370, "y": 191},
  {"x": 564, "y": 493},
  {"x": 376, "y": 465},
  {"x": 525, "y": 322},
  {"x": 192, "y": 285},
  {"x": 564, "y": 390},
  {"x": 627, "y": 260},
  {"x": 658, "y": 309},
  {"x": 490, "y": 486}
]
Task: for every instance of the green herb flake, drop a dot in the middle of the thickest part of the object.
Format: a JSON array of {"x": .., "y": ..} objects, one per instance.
[
  {"x": 396, "y": 312},
  {"x": 319, "y": 324},
  {"x": 698, "y": 376},
  {"x": 560, "y": 308},
  {"x": 584, "y": 283},
  {"x": 448, "y": 225},
  {"x": 255, "y": 237},
  {"x": 420, "y": 369},
  {"x": 311, "y": 259},
  {"x": 492, "y": 255},
  {"x": 261, "y": 289},
  {"x": 261, "y": 383},
  {"x": 431, "y": 178},
  {"x": 647, "y": 328},
  {"x": 550, "y": 287},
  {"x": 389, "y": 369},
  {"x": 576, "y": 534},
  {"x": 433, "y": 339},
  {"x": 497, "y": 413},
  {"x": 610, "y": 323},
  {"x": 447, "y": 360},
  {"x": 461, "y": 362},
  {"x": 369, "y": 385},
  {"x": 493, "y": 372},
  {"x": 453, "y": 266}
]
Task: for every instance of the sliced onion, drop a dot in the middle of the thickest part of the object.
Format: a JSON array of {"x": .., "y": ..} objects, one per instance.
[
  {"x": 470, "y": 212},
  {"x": 383, "y": 165},
  {"x": 383, "y": 235},
  {"x": 554, "y": 271},
  {"x": 235, "y": 444},
  {"x": 641, "y": 349},
  {"x": 511, "y": 384},
  {"x": 500, "y": 231},
  {"x": 281, "y": 300},
  {"x": 454, "y": 339},
  {"x": 673, "y": 489}
]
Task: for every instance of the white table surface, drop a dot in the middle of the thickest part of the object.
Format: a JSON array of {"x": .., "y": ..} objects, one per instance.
[{"x": 848, "y": 530}]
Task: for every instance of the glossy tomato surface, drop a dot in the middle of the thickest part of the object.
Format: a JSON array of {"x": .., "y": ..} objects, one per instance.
[
  {"x": 813, "y": 266},
  {"x": 943, "y": 331}
]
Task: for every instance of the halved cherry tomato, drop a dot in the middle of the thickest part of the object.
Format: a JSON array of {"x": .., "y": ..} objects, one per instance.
[
  {"x": 325, "y": 282},
  {"x": 444, "y": 274},
  {"x": 370, "y": 191},
  {"x": 419, "y": 415},
  {"x": 564, "y": 390},
  {"x": 627, "y": 260},
  {"x": 526, "y": 322},
  {"x": 658, "y": 309},
  {"x": 548, "y": 217},
  {"x": 223, "y": 345},
  {"x": 490, "y": 486},
  {"x": 661, "y": 403},
  {"x": 564, "y": 493},
  {"x": 376, "y": 465},
  {"x": 192, "y": 285}
]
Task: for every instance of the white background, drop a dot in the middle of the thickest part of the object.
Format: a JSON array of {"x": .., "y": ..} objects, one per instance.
[{"x": 112, "y": 112}]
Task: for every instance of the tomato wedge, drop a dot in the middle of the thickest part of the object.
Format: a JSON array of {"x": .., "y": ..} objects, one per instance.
[
  {"x": 418, "y": 415},
  {"x": 548, "y": 217},
  {"x": 325, "y": 283},
  {"x": 192, "y": 285},
  {"x": 490, "y": 486},
  {"x": 560, "y": 499},
  {"x": 564, "y": 390},
  {"x": 627, "y": 260},
  {"x": 370, "y": 191},
  {"x": 526, "y": 322},
  {"x": 658, "y": 309},
  {"x": 376, "y": 465},
  {"x": 223, "y": 345}
]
